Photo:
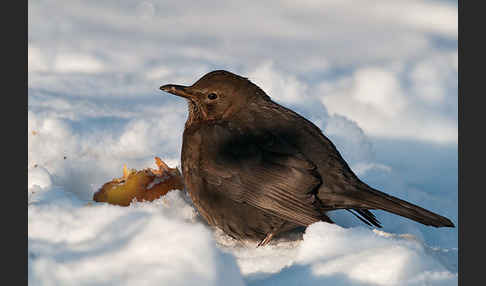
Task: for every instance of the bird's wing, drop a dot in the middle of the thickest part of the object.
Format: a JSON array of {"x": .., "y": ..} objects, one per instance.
[
  {"x": 341, "y": 188},
  {"x": 259, "y": 168}
]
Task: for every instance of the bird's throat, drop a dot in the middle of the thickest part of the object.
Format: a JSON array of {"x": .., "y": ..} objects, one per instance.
[{"x": 194, "y": 113}]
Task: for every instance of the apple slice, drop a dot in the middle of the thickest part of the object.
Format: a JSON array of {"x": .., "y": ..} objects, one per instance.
[{"x": 144, "y": 185}]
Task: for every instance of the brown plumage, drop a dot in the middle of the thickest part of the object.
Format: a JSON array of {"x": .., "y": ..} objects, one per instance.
[{"x": 256, "y": 169}]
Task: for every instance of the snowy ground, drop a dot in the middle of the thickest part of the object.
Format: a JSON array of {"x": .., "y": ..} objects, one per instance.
[
  {"x": 381, "y": 83},
  {"x": 73, "y": 240},
  {"x": 77, "y": 242}
]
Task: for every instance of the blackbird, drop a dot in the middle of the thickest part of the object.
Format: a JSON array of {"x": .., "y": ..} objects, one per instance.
[{"x": 256, "y": 169}]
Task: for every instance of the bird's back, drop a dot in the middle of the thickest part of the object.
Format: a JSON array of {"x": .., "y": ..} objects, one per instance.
[
  {"x": 310, "y": 141},
  {"x": 340, "y": 188}
]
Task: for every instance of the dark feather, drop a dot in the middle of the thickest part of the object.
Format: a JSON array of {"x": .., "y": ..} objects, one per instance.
[
  {"x": 261, "y": 170},
  {"x": 365, "y": 216}
]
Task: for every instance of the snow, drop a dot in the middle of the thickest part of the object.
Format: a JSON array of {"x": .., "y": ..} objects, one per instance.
[
  {"x": 380, "y": 83},
  {"x": 72, "y": 242},
  {"x": 77, "y": 242}
]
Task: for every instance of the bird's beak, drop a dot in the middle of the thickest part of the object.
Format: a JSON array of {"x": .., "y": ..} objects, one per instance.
[{"x": 179, "y": 90}]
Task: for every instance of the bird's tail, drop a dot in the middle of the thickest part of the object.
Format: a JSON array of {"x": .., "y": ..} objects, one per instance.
[
  {"x": 358, "y": 202},
  {"x": 379, "y": 200}
]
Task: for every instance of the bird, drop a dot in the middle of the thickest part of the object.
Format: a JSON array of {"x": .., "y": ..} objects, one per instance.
[{"x": 256, "y": 169}]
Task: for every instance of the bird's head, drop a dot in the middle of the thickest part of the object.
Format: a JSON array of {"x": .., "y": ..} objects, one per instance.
[{"x": 217, "y": 95}]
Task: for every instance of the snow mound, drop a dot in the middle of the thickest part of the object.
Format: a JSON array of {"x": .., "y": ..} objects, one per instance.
[
  {"x": 332, "y": 255},
  {"x": 362, "y": 256},
  {"x": 101, "y": 244}
]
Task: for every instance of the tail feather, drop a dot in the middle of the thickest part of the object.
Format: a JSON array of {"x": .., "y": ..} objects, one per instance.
[
  {"x": 365, "y": 198},
  {"x": 382, "y": 201},
  {"x": 365, "y": 216}
]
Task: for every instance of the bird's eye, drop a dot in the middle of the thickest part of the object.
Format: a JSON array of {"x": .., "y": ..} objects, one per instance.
[{"x": 212, "y": 96}]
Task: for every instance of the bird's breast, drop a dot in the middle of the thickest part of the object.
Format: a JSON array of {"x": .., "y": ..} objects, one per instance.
[{"x": 190, "y": 158}]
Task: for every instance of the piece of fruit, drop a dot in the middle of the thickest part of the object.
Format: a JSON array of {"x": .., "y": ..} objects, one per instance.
[{"x": 144, "y": 185}]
